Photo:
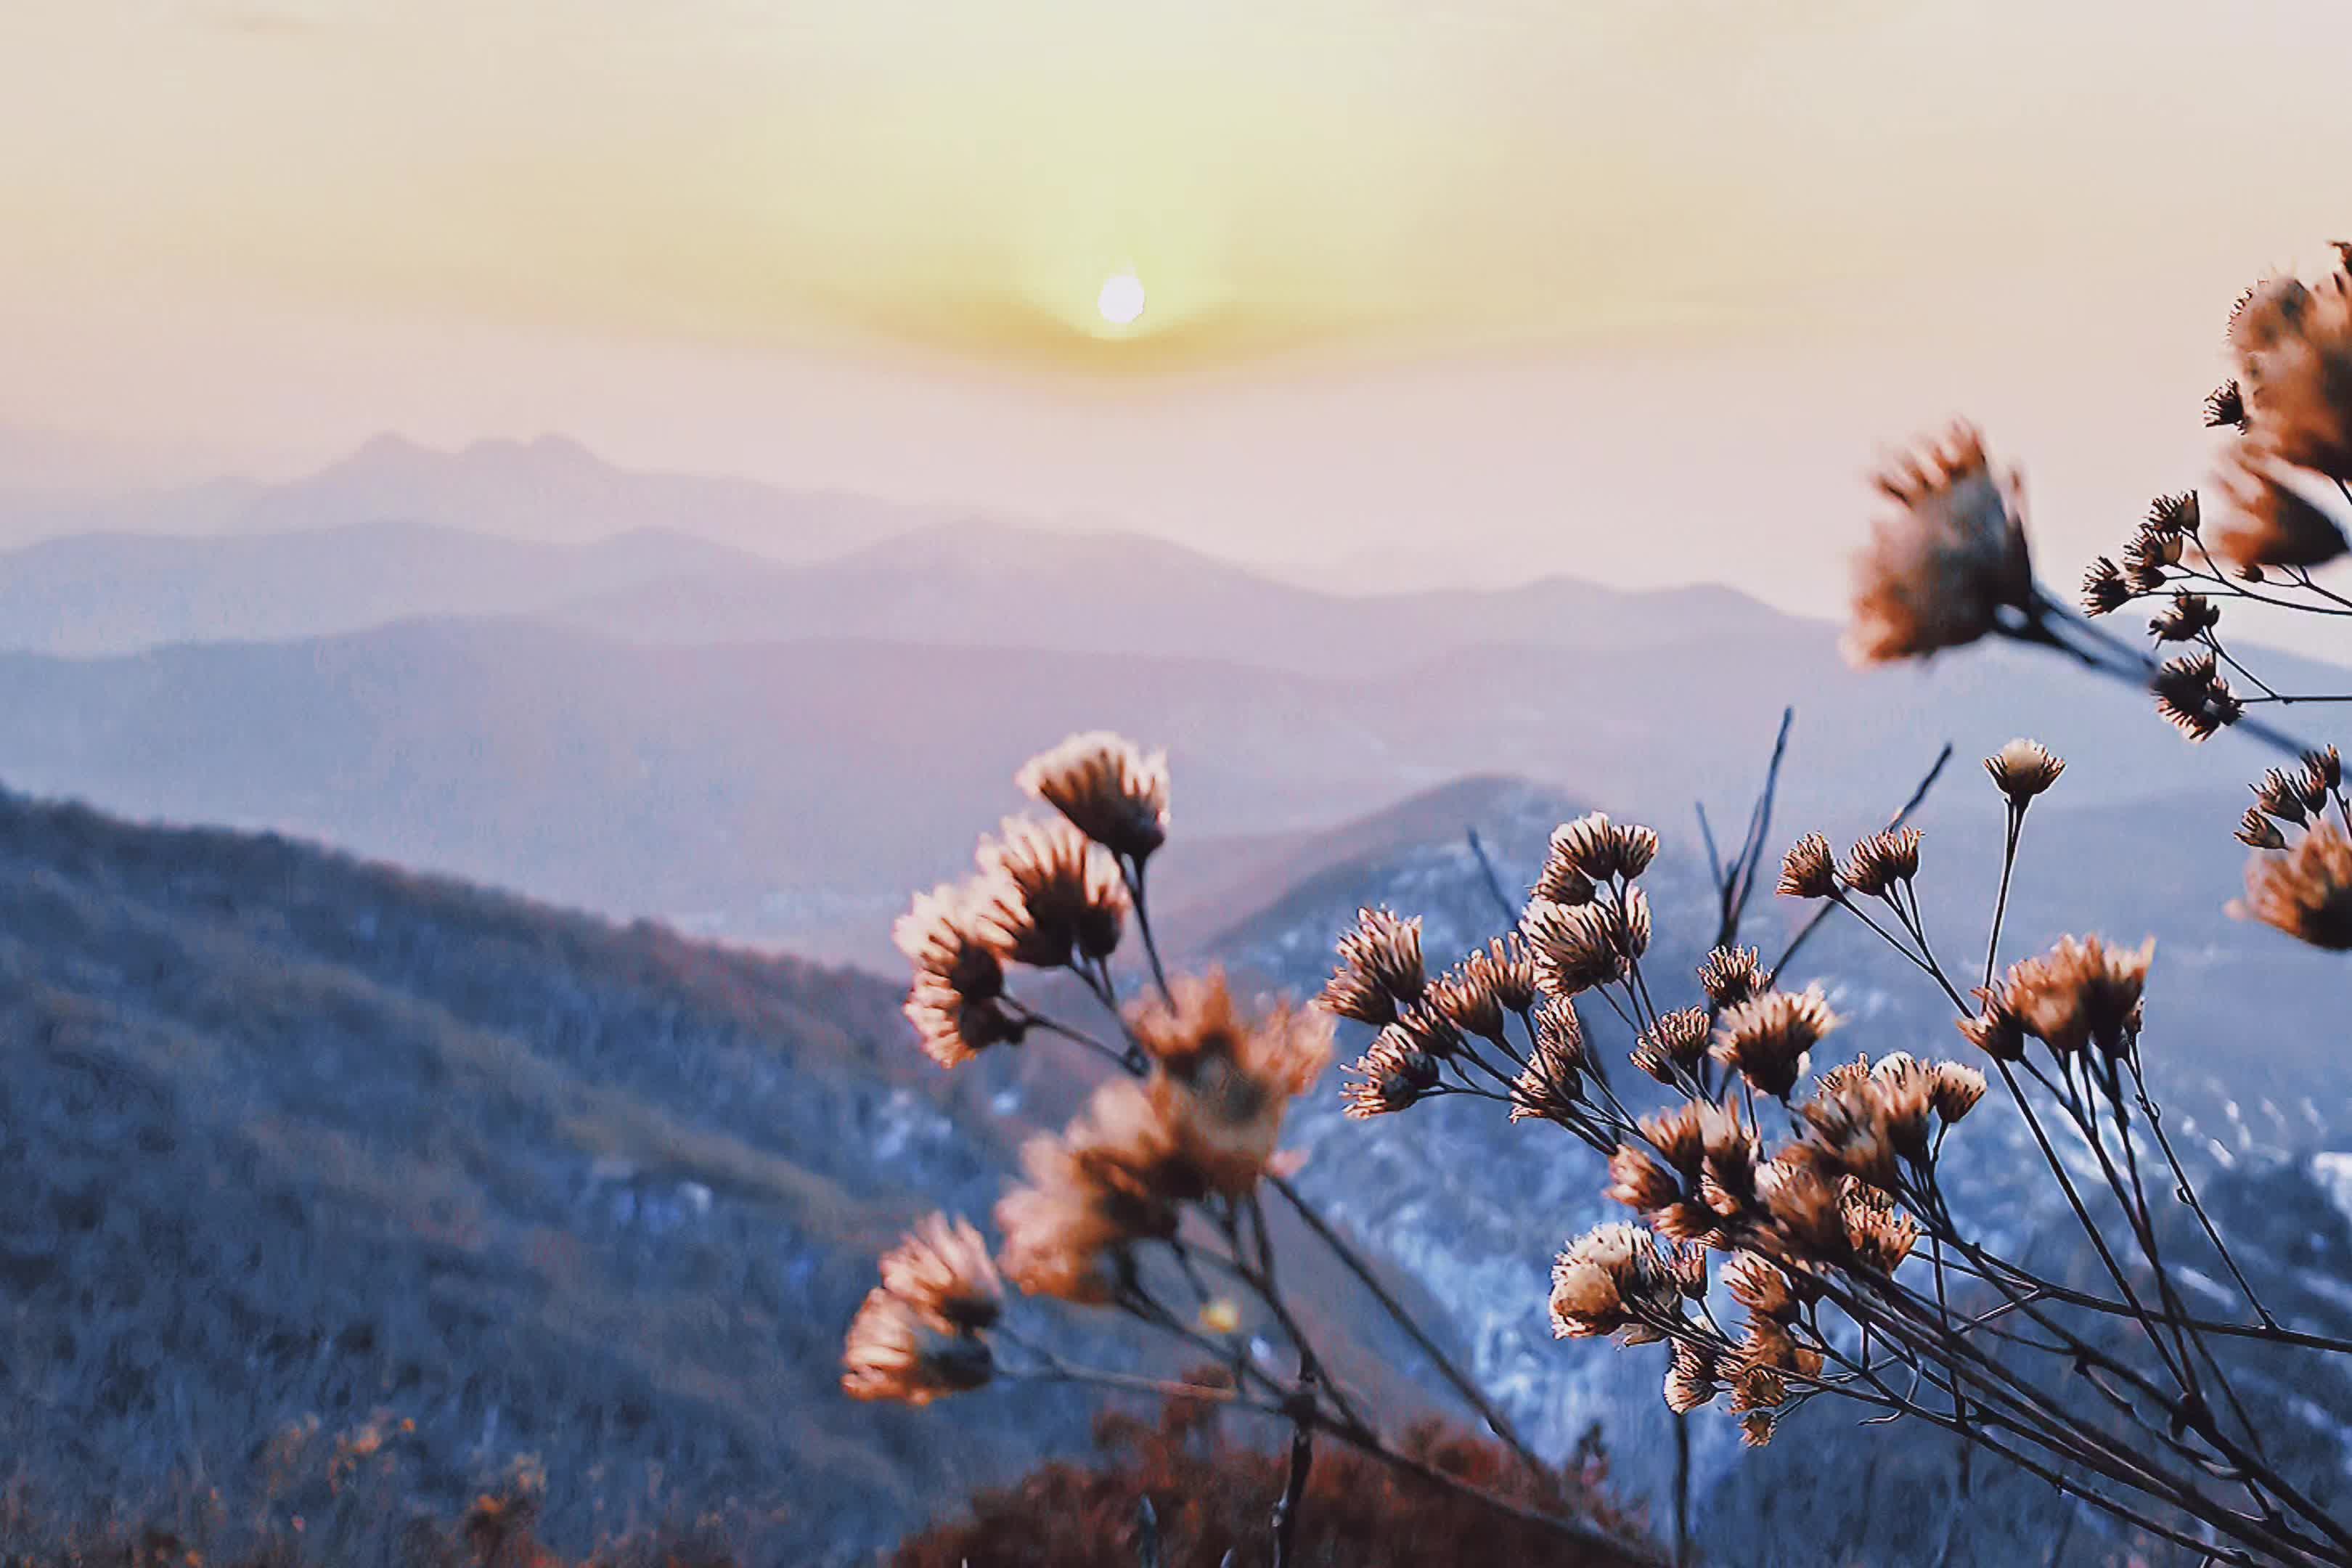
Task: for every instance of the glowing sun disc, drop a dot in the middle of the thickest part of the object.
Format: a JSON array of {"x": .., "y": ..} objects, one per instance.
[{"x": 1121, "y": 300}]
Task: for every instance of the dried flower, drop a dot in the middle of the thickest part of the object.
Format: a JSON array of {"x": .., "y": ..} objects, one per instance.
[
  {"x": 942, "y": 1270},
  {"x": 2104, "y": 588},
  {"x": 1047, "y": 896},
  {"x": 1690, "y": 1378},
  {"x": 1882, "y": 860},
  {"x": 955, "y": 1002},
  {"x": 1380, "y": 969},
  {"x": 1561, "y": 881},
  {"x": 2023, "y": 769},
  {"x": 1552, "y": 1084},
  {"x": 891, "y": 1352},
  {"x": 1996, "y": 1030},
  {"x": 1479, "y": 993},
  {"x": 1731, "y": 975},
  {"x": 2280, "y": 796},
  {"x": 1809, "y": 869},
  {"x": 2190, "y": 616},
  {"x": 1113, "y": 1178},
  {"x": 1682, "y": 1036},
  {"x": 1938, "y": 569},
  {"x": 2081, "y": 992},
  {"x": 1109, "y": 790},
  {"x": 1756, "y": 1429},
  {"x": 2270, "y": 523},
  {"x": 1613, "y": 1280},
  {"x": 1604, "y": 850},
  {"x": 2305, "y": 892},
  {"x": 1758, "y": 1284},
  {"x": 1576, "y": 946},
  {"x": 1957, "y": 1089},
  {"x": 2295, "y": 364},
  {"x": 1879, "y": 1235},
  {"x": 2258, "y": 832},
  {"x": 2225, "y": 406},
  {"x": 1223, "y": 1081},
  {"x": 2326, "y": 770},
  {"x": 2192, "y": 694},
  {"x": 1390, "y": 1077},
  {"x": 1766, "y": 1040}
]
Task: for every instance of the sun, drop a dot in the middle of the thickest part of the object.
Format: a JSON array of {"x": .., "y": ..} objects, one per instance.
[{"x": 1121, "y": 300}]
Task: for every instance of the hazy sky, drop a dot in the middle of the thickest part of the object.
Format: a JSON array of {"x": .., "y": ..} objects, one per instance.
[{"x": 1629, "y": 287}]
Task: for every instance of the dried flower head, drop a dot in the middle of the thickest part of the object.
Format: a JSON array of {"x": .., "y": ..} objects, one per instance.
[
  {"x": 892, "y": 1353},
  {"x": 1576, "y": 946},
  {"x": 1223, "y": 1081},
  {"x": 2081, "y": 993},
  {"x": 942, "y": 1270},
  {"x": 2305, "y": 892},
  {"x": 1879, "y": 1235},
  {"x": 1552, "y": 1084},
  {"x": 1730, "y": 975},
  {"x": 1995, "y": 1029},
  {"x": 2294, "y": 365},
  {"x": 2192, "y": 696},
  {"x": 1938, "y": 569},
  {"x": 2104, "y": 588},
  {"x": 1766, "y": 1040},
  {"x": 1756, "y": 1429},
  {"x": 2023, "y": 769},
  {"x": 1615, "y": 1280},
  {"x": 1883, "y": 860},
  {"x": 1114, "y": 1177},
  {"x": 1809, "y": 869},
  {"x": 1391, "y": 1076},
  {"x": 1561, "y": 881},
  {"x": 1682, "y": 1035},
  {"x": 1380, "y": 969},
  {"x": 1110, "y": 791},
  {"x": 1047, "y": 895},
  {"x": 2281, "y": 796},
  {"x": 1958, "y": 1087},
  {"x": 1604, "y": 850},
  {"x": 2258, "y": 832},
  {"x": 2269, "y": 522},
  {"x": 2188, "y": 617},
  {"x": 955, "y": 1002},
  {"x": 2326, "y": 767},
  {"x": 1850, "y": 1127},
  {"x": 1757, "y": 1283},
  {"x": 2225, "y": 406},
  {"x": 1478, "y": 994},
  {"x": 1690, "y": 1378}
]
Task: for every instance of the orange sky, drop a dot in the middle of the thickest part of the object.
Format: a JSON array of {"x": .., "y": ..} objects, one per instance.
[{"x": 1631, "y": 290}]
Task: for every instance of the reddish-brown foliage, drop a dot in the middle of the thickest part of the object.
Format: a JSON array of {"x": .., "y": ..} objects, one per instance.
[{"x": 1211, "y": 1494}]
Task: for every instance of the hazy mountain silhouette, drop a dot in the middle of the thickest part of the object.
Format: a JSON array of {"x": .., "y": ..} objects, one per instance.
[
  {"x": 112, "y": 593},
  {"x": 551, "y": 490},
  {"x": 985, "y": 584},
  {"x": 796, "y": 790}
]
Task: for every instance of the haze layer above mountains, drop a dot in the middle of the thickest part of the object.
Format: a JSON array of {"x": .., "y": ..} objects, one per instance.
[{"x": 767, "y": 715}]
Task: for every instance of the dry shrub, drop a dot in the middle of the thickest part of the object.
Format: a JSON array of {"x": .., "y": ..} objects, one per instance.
[{"x": 1211, "y": 1494}]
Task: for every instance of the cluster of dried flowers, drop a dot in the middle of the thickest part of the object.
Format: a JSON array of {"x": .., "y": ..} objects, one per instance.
[
  {"x": 1950, "y": 565},
  {"x": 1818, "y": 1260},
  {"x": 1149, "y": 1202}
]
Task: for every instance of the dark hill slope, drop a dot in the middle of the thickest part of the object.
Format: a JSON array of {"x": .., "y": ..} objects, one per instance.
[{"x": 283, "y": 1133}]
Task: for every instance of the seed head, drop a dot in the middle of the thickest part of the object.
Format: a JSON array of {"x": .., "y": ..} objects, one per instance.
[
  {"x": 2293, "y": 347},
  {"x": 1996, "y": 1030},
  {"x": 1577, "y": 946},
  {"x": 1110, "y": 791},
  {"x": 2225, "y": 406},
  {"x": 1390, "y": 1077},
  {"x": 1952, "y": 555},
  {"x": 2189, "y": 616},
  {"x": 2192, "y": 696},
  {"x": 1809, "y": 869},
  {"x": 2258, "y": 832},
  {"x": 942, "y": 1270},
  {"x": 2306, "y": 891},
  {"x": 1615, "y": 1280},
  {"x": 1766, "y": 1040},
  {"x": 2023, "y": 769},
  {"x": 1047, "y": 896},
  {"x": 2281, "y": 796},
  {"x": 1730, "y": 975},
  {"x": 2079, "y": 993},
  {"x": 1223, "y": 1081},
  {"x": 892, "y": 1352},
  {"x": 1690, "y": 1378},
  {"x": 2104, "y": 588},
  {"x": 1552, "y": 1084},
  {"x": 2269, "y": 522},
  {"x": 1604, "y": 850},
  {"x": 1380, "y": 969},
  {"x": 955, "y": 1001},
  {"x": 1882, "y": 860}
]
